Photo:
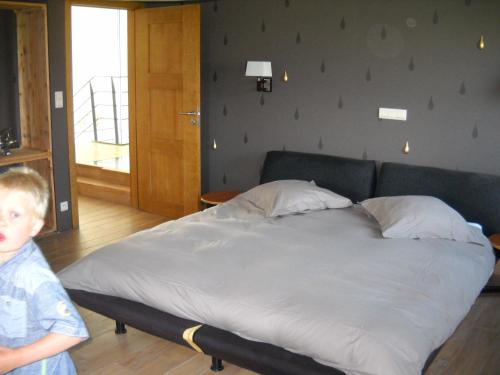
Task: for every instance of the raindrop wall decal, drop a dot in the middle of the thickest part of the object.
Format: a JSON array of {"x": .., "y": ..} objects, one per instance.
[
  {"x": 216, "y": 6},
  {"x": 468, "y": 2},
  {"x": 224, "y": 110},
  {"x": 245, "y": 138},
  {"x": 214, "y": 77},
  {"x": 475, "y": 132},
  {"x": 296, "y": 114},
  {"x": 285, "y": 76},
  {"x": 323, "y": 66},
  {"x": 320, "y": 144},
  {"x": 435, "y": 18},
  {"x": 342, "y": 24},
  {"x": 226, "y": 40},
  {"x": 262, "y": 101},
  {"x": 463, "y": 90},
  {"x": 263, "y": 26},
  {"x": 481, "y": 44},
  {"x": 224, "y": 179},
  {"x": 430, "y": 106},
  {"x": 287, "y": 3},
  {"x": 383, "y": 33},
  {"x": 406, "y": 148},
  {"x": 340, "y": 104},
  {"x": 368, "y": 75},
  {"x": 298, "y": 39},
  {"x": 411, "y": 65},
  {"x": 365, "y": 155},
  {"x": 214, "y": 145}
]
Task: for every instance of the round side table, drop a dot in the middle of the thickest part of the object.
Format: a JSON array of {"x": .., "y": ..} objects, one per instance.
[
  {"x": 215, "y": 197},
  {"x": 493, "y": 285},
  {"x": 495, "y": 242}
]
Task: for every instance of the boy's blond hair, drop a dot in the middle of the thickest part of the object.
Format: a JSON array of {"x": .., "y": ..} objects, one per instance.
[{"x": 28, "y": 181}]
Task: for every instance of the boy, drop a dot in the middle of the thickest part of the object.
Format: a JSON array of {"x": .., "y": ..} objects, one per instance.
[{"x": 38, "y": 323}]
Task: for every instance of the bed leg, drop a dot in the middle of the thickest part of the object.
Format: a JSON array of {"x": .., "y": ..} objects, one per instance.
[
  {"x": 120, "y": 328},
  {"x": 216, "y": 365}
]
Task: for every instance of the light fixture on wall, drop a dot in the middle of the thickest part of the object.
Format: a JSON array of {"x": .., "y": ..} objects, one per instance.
[{"x": 264, "y": 73}]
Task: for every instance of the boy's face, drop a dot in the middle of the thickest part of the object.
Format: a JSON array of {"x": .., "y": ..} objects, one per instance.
[{"x": 18, "y": 222}]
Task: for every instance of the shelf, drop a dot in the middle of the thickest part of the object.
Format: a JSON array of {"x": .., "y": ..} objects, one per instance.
[
  {"x": 34, "y": 97},
  {"x": 22, "y": 155}
]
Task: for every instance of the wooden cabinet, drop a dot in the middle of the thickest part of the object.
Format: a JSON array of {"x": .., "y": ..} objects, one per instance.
[{"x": 34, "y": 96}]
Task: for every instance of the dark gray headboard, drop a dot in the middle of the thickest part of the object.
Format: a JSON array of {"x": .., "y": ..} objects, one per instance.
[
  {"x": 476, "y": 196},
  {"x": 351, "y": 178}
]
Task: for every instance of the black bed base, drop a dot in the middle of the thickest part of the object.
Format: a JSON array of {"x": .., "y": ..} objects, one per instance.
[
  {"x": 256, "y": 356},
  {"x": 259, "y": 357}
]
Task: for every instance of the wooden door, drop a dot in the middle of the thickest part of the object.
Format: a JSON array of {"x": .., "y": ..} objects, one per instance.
[{"x": 167, "y": 44}]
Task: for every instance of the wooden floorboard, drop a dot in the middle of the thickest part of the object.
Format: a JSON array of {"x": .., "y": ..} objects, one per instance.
[{"x": 474, "y": 349}]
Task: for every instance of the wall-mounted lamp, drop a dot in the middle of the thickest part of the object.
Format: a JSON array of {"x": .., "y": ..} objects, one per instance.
[{"x": 264, "y": 73}]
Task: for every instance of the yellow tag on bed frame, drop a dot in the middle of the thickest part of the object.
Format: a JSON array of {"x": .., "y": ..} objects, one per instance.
[{"x": 188, "y": 336}]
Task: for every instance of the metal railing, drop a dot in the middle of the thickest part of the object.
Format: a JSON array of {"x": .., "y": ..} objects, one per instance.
[{"x": 101, "y": 110}]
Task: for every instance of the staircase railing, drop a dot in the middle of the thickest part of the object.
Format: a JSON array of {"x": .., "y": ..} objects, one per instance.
[{"x": 101, "y": 110}]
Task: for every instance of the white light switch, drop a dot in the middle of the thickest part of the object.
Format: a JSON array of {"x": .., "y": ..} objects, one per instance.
[
  {"x": 392, "y": 114},
  {"x": 58, "y": 99}
]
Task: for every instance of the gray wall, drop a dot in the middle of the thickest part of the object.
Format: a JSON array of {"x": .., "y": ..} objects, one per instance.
[
  {"x": 57, "y": 71},
  {"x": 345, "y": 59},
  {"x": 461, "y": 131}
]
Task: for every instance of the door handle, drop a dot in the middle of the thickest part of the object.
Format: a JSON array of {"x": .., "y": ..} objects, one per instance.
[
  {"x": 194, "y": 113},
  {"x": 193, "y": 121}
]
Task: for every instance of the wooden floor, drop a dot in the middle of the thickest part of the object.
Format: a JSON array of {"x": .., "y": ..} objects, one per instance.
[{"x": 472, "y": 350}]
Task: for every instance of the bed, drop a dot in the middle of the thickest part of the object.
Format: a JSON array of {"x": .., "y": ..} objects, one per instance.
[{"x": 296, "y": 249}]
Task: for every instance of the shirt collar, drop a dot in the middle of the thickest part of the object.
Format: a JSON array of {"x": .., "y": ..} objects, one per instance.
[{"x": 21, "y": 255}]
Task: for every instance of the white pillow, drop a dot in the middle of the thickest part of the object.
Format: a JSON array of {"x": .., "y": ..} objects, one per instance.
[
  {"x": 286, "y": 197},
  {"x": 418, "y": 216}
]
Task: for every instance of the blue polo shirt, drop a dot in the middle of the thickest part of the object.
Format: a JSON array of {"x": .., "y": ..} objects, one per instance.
[{"x": 33, "y": 303}]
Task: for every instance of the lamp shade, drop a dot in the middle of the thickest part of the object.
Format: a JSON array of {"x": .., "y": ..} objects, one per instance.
[{"x": 259, "y": 69}]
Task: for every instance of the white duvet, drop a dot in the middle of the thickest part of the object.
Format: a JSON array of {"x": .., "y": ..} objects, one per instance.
[{"x": 324, "y": 284}]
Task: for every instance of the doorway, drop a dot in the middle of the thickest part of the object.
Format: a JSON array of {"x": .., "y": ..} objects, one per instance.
[
  {"x": 163, "y": 62},
  {"x": 100, "y": 102}
]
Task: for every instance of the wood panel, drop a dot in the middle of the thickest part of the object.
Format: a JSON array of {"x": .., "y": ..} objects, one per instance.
[
  {"x": 134, "y": 199},
  {"x": 107, "y": 175},
  {"x": 46, "y": 170},
  {"x": 21, "y": 5},
  {"x": 69, "y": 116},
  {"x": 167, "y": 45},
  {"x": 34, "y": 102},
  {"x": 98, "y": 182},
  {"x": 22, "y": 155}
]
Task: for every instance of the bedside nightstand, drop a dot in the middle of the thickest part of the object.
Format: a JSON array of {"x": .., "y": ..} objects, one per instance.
[
  {"x": 493, "y": 285},
  {"x": 216, "y": 197}
]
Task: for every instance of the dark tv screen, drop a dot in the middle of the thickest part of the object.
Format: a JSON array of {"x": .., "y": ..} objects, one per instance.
[{"x": 9, "y": 88}]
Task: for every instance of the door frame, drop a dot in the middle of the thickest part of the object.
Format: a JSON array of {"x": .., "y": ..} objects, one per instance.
[{"x": 130, "y": 6}]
